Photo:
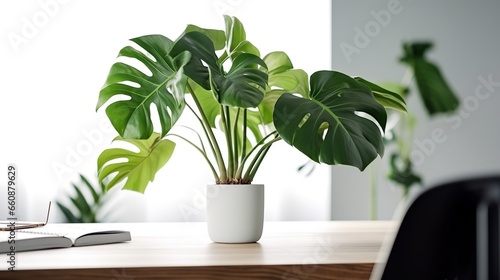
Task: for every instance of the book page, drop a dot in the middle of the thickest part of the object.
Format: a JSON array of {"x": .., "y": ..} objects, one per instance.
[
  {"x": 28, "y": 241},
  {"x": 60, "y": 235},
  {"x": 75, "y": 231}
]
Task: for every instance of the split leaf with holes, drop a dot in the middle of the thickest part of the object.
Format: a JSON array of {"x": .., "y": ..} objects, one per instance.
[
  {"x": 331, "y": 125},
  {"x": 138, "y": 167},
  {"x": 164, "y": 88},
  {"x": 242, "y": 102}
]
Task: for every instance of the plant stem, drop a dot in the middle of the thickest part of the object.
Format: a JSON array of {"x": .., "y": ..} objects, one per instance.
[
  {"x": 210, "y": 135},
  {"x": 226, "y": 126},
  {"x": 373, "y": 193},
  {"x": 204, "y": 131},
  {"x": 406, "y": 191},
  {"x": 257, "y": 160},
  {"x": 204, "y": 154},
  {"x": 256, "y": 166},
  {"x": 407, "y": 77},
  {"x": 236, "y": 139},
  {"x": 407, "y": 124},
  {"x": 239, "y": 172},
  {"x": 244, "y": 140}
]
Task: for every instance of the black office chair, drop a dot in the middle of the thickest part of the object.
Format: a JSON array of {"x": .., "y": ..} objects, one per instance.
[{"x": 450, "y": 232}]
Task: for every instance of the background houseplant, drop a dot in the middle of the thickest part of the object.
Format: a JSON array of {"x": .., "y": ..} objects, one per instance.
[
  {"x": 437, "y": 98},
  {"x": 85, "y": 206},
  {"x": 329, "y": 116}
]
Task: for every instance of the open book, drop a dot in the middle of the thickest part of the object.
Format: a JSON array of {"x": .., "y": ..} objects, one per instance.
[{"x": 59, "y": 236}]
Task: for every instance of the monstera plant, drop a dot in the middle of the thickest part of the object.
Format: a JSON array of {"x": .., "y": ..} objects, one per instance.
[{"x": 252, "y": 100}]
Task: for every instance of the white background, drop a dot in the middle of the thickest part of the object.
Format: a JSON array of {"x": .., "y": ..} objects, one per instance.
[
  {"x": 50, "y": 79},
  {"x": 55, "y": 56}
]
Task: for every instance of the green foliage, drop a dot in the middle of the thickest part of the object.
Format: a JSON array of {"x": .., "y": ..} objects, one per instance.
[
  {"x": 87, "y": 208},
  {"x": 164, "y": 88},
  {"x": 387, "y": 98},
  {"x": 326, "y": 126},
  {"x": 402, "y": 172},
  {"x": 140, "y": 167},
  {"x": 255, "y": 102},
  {"x": 437, "y": 97},
  {"x": 435, "y": 92}
]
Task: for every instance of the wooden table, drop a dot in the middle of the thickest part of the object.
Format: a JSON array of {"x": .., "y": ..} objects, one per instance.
[{"x": 287, "y": 250}]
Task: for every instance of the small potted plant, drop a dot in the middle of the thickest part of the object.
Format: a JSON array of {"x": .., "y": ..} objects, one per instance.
[{"x": 244, "y": 102}]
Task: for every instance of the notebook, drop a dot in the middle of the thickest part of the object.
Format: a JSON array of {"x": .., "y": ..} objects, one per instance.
[{"x": 58, "y": 236}]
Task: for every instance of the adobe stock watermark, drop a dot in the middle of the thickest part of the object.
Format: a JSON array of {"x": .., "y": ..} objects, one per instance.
[
  {"x": 76, "y": 153},
  {"x": 363, "y": 35},
  {"x": 196, "y": 209},
  {"x": 310, "y": 264},
  {"x": 31, "y": 25},
  {"x": 223, "y": 7},
  {"x": 470, "y": 104},
  {"x": 121, "y": 275}
]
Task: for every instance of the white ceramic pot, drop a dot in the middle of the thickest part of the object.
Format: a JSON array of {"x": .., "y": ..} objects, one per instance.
[{"x": 235, "y": 213}]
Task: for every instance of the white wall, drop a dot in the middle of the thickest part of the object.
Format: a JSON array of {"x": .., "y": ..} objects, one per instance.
[
  {"x": 55, "y": 56},
  {"x": 466, "y": 40}
]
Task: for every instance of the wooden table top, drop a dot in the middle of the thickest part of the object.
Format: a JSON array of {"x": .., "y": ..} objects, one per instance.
[{"x": 287, "y": 250}]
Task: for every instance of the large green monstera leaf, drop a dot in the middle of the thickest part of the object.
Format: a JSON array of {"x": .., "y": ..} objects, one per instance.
[
  {"x": 339, "y": 123},
  {"x": 139, "y": 167},
  {"x": 164, "y": 88}
]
